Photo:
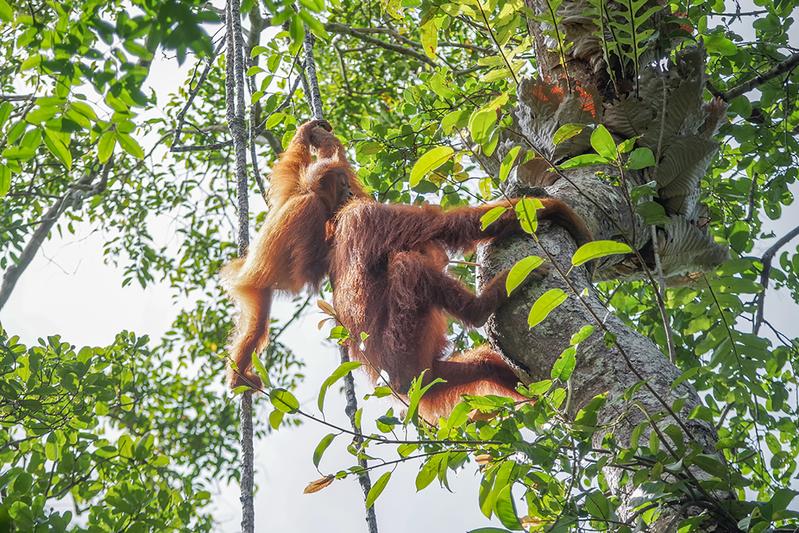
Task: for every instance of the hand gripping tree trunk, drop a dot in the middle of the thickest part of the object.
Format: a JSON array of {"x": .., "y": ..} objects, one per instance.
[{"x": 612, "y": 84}]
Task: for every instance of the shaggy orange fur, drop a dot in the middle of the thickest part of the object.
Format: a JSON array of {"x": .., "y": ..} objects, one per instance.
[{"x": 387, "y": 264}]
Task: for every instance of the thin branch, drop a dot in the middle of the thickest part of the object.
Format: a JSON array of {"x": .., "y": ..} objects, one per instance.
[
  {"x": 16, "y": 97},
  {"x": 768, "y": 256},
  {"x": 202, "y": 147},
  {"x": 234, "y": 94},
  {"x": 314, "y": 96},
  {"x": 77, "y": 190},
  {"x": 781, "y": 68},
  {"x": 256, "y": 27},
  {"x": 740, "y": 13},
  {"x": 342, "y": 29},
  {"x": 444, "y": 44},
  {"x": 499, "y": 46},
  {"x": 192, "y": 95}
]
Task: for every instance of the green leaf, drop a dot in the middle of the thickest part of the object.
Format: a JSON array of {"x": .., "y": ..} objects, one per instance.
[
  {"x": 33, "y": 61},
  {"x": 564, "y": 365},
  {"x": 598, "y": 506},
  {"x": 5, "y": 109},
  {"x": 641, "y": 158},
  {"x": 260, "y": 370},
  {"x": 481, "y": 123},
  {"x": 284, "y": 401},
  {"x": 275, "y": 418},
  {"x": 430, "y": 160},
  {"x": 505, "y": 509},
  {"x": 545, "y": 304},
  {"x": 584, "y": 160},
  {"x": 84, "y": 109},
  {"x": 581, "y": 335},
  {"x": 491, "y": 216},
  {"x": 5, "y": 180},
  {"x": 105, "y": 146},
  {"x": 58, "y": 148},
  {"x": 6, "y": 13},
  {"x": 427, "y": 473},
  {"x": 526, "y": 211},
  {"x": 19, "y": 153},
  {"x": 519, "y": 272},
  {"x": 259, "y": 49},
  {"x": 130, "y": 145},
  {"x": 627, "y": 145},
  {"x": 596, "y": 249},
  {"x": 653, "y": 213},
  {"x": 342, "y": 370},
  {"x": 376, "y": 489},
  {"x": 314, "y": 5},
  {"x": 319, "y": 451},
  {"x": 415, "y": 393},
  {"x": 428, "y": 34},
  {"x": 602, "y": 142},
  {"x": 780, "y": 501},
  {"x": 507, "y": 162},
  {"x": 453, "y": 119},
  {"x": 566, "y": 132},
  {"x": 717, "y": 43}
]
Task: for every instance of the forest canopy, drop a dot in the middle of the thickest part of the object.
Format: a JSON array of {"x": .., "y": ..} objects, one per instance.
[{"x": 660, "y": 361}]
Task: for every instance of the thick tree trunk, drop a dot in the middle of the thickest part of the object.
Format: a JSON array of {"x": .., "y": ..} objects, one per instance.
[{"x": 607, "y": 212}]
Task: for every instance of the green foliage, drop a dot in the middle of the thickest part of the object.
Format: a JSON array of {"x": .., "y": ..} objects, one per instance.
[
  {"x": 125, "y": 436},
  {"x": 107, "y": 428}
]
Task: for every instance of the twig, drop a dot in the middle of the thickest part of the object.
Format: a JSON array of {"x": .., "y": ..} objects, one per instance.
[
  {"x": 234, "y": 94},
  {"x": 16, "y": 97},
  {"x": 202, "y": 147},
  {"x": 256, "y": 26},
  {"x": 768, "y": 256},
  {"x": 342, "y": 29},
  {"x": 498, "y": 45},
  {"x": 747, "y": 86},
  {"x": 661, "y": 278},
  {"x": 192, "y": 95},
  {"x": 314, "y": 96}
]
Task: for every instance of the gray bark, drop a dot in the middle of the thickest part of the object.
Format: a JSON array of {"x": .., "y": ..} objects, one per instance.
[{"x": 234, "y": 94}]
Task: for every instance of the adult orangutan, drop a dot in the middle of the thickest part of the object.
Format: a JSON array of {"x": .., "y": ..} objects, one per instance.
[{"x": 387, "y": 265}]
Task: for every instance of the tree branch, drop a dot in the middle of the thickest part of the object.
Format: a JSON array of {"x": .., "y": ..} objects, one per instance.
[
  {"x": 79, "y": 190},
  {"x": 357, "y": 33},
  {"x": 16, "y": 97},
  {"x": 781, "y": 68},
  {"x": 234, "y": 94},
  {"x": 192, "y": 95},
  {"x": 768, "y": 256}
]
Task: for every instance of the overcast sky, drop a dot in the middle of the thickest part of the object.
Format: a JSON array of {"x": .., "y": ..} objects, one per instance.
[{"x": 68, "y": 290}]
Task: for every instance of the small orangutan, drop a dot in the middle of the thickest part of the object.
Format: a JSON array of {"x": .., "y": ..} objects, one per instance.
[{"x": 387, "y": 266}]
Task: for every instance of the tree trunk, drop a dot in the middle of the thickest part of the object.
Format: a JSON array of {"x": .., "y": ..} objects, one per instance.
[{"x": 596, "y": 98}]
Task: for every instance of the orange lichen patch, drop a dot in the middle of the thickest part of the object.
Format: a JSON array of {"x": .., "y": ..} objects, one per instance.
[{"x": 586, "y": 99}]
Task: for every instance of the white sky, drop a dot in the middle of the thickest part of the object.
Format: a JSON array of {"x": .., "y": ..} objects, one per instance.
[{"x": 68, "y": 290}]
